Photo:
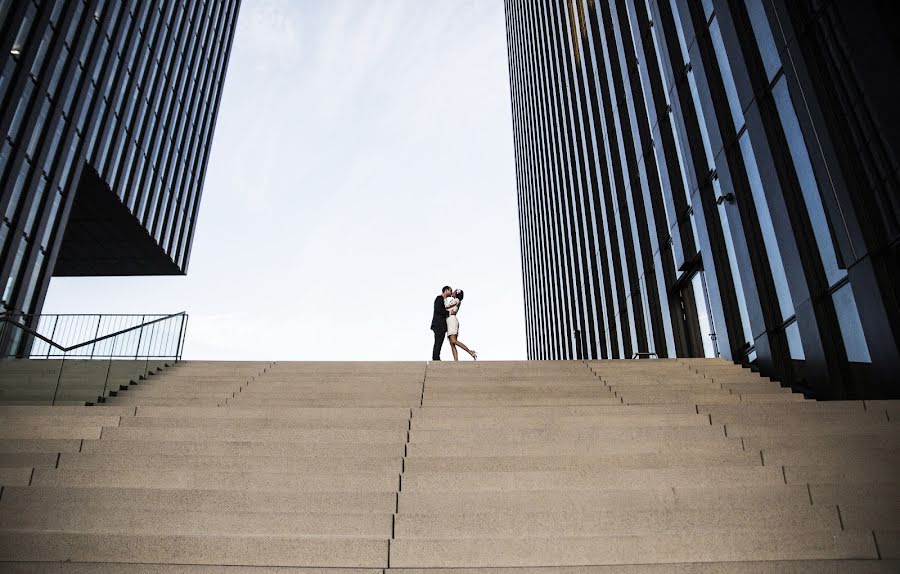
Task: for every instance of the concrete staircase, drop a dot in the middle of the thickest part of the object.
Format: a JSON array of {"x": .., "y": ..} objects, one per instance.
[
  {"x": 685, "y": 466},
  {"x": 72, "y": 382}
]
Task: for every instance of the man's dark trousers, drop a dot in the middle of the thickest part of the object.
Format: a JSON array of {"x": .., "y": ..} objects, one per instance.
[
  {"x": 439, "y": 326},
  {"x": 438, "y": 343}
]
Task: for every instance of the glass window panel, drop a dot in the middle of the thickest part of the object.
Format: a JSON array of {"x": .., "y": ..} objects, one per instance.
[
  {"x": 5, "y": 155},
  {"x": 54, "y": 144},
  {"x": 58, "y": 67},
  {"x": 36, "y": 201},
  {"x": 16, "y": 195},
  {"x": 705, "y": 318},
  {"x": 807, "y": 179},
  {"x": 851, "y": 328},
  {"x": 6, "y": 75},
  {"x": 4, "y": 12},
  {"x": 734, "y": 102},
  {"x": 764, "y": 39},
  {"x": 38, "y": 129},
  {"x": 14, "y": 270},
  {"x": 51, "y": 220},
  {"x": 72, "y": 92},
  {"x": 36, "y": 273},
  {"x": 38, "y": 63},
  {"x": 24, "y": 29},
  {"x": 733, "y": 266},
  {"x": 73, "y": 28},
  {"x": 795, "y": 345},
  {"x": 708, "y": 8},
  {"x": 19, "y": 115},
  {"x": 65, "y": 172},
  {"x": 776, "y": 265}
]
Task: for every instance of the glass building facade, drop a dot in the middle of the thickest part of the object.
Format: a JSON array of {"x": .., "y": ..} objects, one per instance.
[
  {"x": 712, "y": 178},
  {"x": 107, "y": 110}
]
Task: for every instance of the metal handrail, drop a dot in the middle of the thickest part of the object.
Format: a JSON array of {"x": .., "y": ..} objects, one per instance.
[{"x": 33, "y": 333}]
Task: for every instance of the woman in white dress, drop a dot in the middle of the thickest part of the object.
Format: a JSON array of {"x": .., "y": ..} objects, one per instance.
[{"x": 452, "y": 304}]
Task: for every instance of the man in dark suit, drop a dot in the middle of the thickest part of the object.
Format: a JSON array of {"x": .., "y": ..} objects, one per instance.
[{"x": 439, "y": 323}]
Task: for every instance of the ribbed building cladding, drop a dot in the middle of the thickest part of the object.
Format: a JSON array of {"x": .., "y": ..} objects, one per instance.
[
  {"x": 711, "y": 178},
  {"x": 108, "y": 110}
]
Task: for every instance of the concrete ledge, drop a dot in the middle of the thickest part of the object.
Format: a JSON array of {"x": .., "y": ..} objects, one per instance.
[
  {"x": 663, "y": 548},
  {"x": 86, "y": 520},
  {"x": 623, "y": 522},
  {"x": 225, "y": 550},
  {"x": 196, "y": 500},
  {"x": 217, "y": 480},
  {"x": 772, "y": 567}
]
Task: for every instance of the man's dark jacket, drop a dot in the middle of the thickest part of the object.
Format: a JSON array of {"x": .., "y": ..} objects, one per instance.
[{"x": 439, "y": 320}]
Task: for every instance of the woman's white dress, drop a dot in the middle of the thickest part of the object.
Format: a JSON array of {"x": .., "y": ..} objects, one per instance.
[{"x": 452, "y": 305}]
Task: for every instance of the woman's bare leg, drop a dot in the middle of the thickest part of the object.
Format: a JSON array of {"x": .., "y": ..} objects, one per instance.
[
  {"x": 453, "y": 347},
  {"x": 457, "y": 343}
]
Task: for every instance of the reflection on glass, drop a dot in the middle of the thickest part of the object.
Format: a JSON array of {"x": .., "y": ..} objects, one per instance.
[
  {"x": 776, "y": 265},
  {"x": 851, "y": 328},
  {"x": 705, "y": 318},
  {"x": 733, "y": 266},
  {"x": 795, "y": 345},
  {"x": 764, "y": 39},
  {"x": 734, "y": 102},
  {"x": 807, "y": 179}
]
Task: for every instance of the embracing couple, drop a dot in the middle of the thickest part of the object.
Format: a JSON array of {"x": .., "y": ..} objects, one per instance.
[{"x": 445, "y": 323}]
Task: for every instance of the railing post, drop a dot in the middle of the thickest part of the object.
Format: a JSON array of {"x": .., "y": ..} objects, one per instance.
[
  {"x": 96, "y": 334},
  {"x": 182, "y": 332},
  {"x": 52, "y": 333},
  {"x": 137, "y": 349},
  {"x": 62, "y": 366}
]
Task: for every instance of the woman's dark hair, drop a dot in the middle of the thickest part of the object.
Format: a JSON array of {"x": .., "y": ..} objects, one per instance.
[{"x": 459, "y": 294}]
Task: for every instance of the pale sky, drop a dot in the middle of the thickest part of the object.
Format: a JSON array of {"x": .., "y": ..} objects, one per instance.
[{"x": 362, "y": 159}]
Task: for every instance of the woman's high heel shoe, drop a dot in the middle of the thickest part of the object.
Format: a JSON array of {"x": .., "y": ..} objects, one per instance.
[{"x": 474, "y": 355}]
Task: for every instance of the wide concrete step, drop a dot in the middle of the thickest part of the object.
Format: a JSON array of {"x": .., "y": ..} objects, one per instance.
[
  {"x": 126, "y": 500},
  {"x": 817, "y": 429},
  {"x": 194, "y": 549},
  {"x": 829, "y": 456},
  {"x": 216, "y": 480},
  {"x": 243, "y": 423},
  {"x": 15, "y": 476},
  {"x": 183, "y": 522},
  {"x": 884, "y": 492},
  {"x": 129, "y": 568},
  {"x": 601, "y": 500},
  {"x": 235, "y": 412},
  {"x": 753, "y": 567},
  {"x": 624, "y": 522},
  {"x": 649, "y": 460},
  {"x": 587, "y": 480},
  {"x": 654, "y": 548},
  {"x": 880, "y": 440},
  {"x": 34, "y": 432},
  {"x": 558, "y": 422},
  {"x": 247, "y": 448},
  {"x": 282, "y": 464},
  {"x": 65, "y": 411},
  {"x": 801, "y": 418},
  {"x": 45, "y": 421},
  {"x": 269, "y": 401},
  {"x": 39, "y": 445},
  {"x": 631, "y": 398},
  {"x": 884, "y": 515},
  {"x": 356, "y": 436},
  {"x": 28, "y": 460},
  {"x": 563, "y": 434},
  {"x": 870, "y": 471},
  {"x": 571, "y": 447}
]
